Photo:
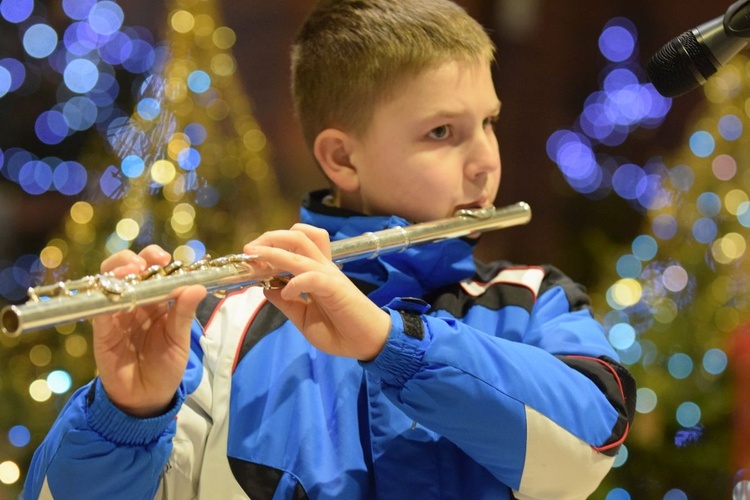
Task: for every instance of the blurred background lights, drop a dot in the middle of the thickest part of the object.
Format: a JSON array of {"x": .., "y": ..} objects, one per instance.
[
  {"x": 163, "y": 171},
  {"x": 59, "y": 381},
  {"x": 715, "y": 361},
  {"x": 709, "y": 204},
  {"x": 625, "y": 103},
  {"x": 148, "y": 108},
  {"x": 702, "y": 144},
  {"x": 734, "y": 199},
  {"x": 39, "y": 391},
  {"x": 19, "y": 436},
  {"x": 16, "y": 11},
  {"x": 664, "y": 226},
  {"x": 78, "y": 9},
  {"x": 621, "y": 336},
  {"x": 680, "y": 366},
  {"x": 644, "y": 247},
  {"x": 9, "y": 472},
  {"x": 40, "y": 355},
  {"x": 39, "y": 40},
  {"x": 6, "y": 81},
  {"x": 105, "y": 18},
  {"x": 81, "y": 75},
  {"x": 730, "y": 127},
  {"x": 621, "y": 457},
  {"x": 182, "y": 21},
  {"x": 705, "y": 230},
  {"x": 132, "y": 166},
  {"x": 198, "y": 81},
  {"x": 724, "y": 167},
  {"x": 675, "y": 494},
  {"x": 629, "y": 266},
  {"x": 624, "y": 293},
  {"x": 17, "y": 71},
  {"x": 618, "y": 494},
  {"x": 646, "y": 400},
  {"x": 688, "y": 414},
  {"x": 127, "y": 229},
  {"x": 675, "y": 278}
]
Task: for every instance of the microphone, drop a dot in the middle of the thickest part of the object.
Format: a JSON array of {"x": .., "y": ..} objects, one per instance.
[{"x": 690, "y": 59}]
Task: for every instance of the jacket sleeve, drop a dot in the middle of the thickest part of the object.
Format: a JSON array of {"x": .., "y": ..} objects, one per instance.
[
  {"x": 94, "y": 450},
  {"x": 536, "y": 411}
]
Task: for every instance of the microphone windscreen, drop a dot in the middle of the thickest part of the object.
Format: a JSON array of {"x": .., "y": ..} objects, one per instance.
[{"x": 672, "y": 69}]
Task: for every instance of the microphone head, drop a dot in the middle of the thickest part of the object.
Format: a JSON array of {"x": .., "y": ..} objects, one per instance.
[{"x": 680, "y": 66}]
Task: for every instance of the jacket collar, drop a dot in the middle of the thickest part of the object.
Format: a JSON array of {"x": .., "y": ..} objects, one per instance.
[{"x": 410, "y": 273}]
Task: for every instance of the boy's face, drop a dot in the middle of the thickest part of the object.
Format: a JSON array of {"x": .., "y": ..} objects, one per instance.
[{"x": 431, "y": 149}]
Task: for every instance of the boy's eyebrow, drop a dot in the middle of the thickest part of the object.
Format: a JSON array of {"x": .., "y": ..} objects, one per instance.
[{"x": 447, "y": 113}]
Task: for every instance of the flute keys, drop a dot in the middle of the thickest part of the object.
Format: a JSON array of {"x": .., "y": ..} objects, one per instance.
[{"x": 112, "y": 286}]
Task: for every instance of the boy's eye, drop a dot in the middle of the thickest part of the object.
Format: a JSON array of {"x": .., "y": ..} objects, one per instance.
[
  {"x": 491, "y": 121},
  {"x": 440, "y": 132}
]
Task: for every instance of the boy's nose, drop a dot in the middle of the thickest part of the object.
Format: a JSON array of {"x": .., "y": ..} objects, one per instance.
[{"x": 484, "y": 157}]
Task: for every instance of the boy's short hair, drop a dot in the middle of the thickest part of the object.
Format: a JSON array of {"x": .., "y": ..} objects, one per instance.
[{"x": 350, "y": 55}]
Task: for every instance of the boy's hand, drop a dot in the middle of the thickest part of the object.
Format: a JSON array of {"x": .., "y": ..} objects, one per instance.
[
  {"x": 141, "y": 355},
  {"x": 319, "y": 299}
]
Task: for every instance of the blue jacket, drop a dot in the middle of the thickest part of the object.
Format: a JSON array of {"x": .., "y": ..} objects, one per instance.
[{"x": 495, "y": 378}]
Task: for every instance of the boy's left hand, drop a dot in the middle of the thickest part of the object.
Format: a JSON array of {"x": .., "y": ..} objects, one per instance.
[{"x": 329, "y": 310}]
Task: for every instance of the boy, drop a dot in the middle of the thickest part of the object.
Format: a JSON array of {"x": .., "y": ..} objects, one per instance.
[{"x": 421, "y": 374}]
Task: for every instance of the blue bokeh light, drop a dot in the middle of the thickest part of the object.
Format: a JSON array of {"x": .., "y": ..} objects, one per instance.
[
  {"x": 622, "y": 336},
  {"x": 616, "y": 42},
  {"x": 148, "y": 108},
  {"x": 730, "y": 127},
  {"x": 35, "y": 177},
  {"x": 106, "y": 17},
  {"x": 629, "y": 266},
  {"x": 17, "y": 72},
  {"x": 51, "y": 127},
  {"x": 6, "y": 80},
  {"x": 39, "y": 40},
  {"x": 646, "y": 400},
  {"x": 645, "y": 247},
  {"x": 715, "y": 361},
  {"x": 198, "y": 81},
  {"x": 80, "y": 113},
  {"x": 19, "y": 436},
  {"x": 70, "y": 178},
  {"x": 81, "y": 75},
  {"x": 702, "y": 144},
  {"x": 16, "y": 11},
  {"x": 680, "y": 366},
  {"x": 618, "y": 494},
  {"x": 116, "y": 49},
  {"x": 59, "y": 381},
  {"x": 198, "y": 248},
  {"x": 664, "y": 226},
  {"x": 78, "y": 9},
  {"x": 705, "y": 230},
  {"x": 709, "y": 204},
  {"x": 675, "y": 494},
  {"x": 133, "y": 166},
  {"x": 141, "y": 57},
  {"x": 189, "y": 159},
  {"x": 197, "y": 133},
  {"x": 688, "y": 414}
]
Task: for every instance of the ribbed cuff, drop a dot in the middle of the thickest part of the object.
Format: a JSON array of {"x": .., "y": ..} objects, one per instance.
[
  {"x": 402, "y": 355},
  {"x": 118, "y": 427}
]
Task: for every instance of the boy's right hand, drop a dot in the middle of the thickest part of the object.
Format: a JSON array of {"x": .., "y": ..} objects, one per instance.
[{"x": 141, "y": 355}]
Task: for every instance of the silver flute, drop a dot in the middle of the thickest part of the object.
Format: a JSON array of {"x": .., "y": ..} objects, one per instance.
[{"x": 83, "y": 298}]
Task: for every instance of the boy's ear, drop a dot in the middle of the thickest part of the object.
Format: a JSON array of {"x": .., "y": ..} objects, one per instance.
[{"x": 333, "y": 150}]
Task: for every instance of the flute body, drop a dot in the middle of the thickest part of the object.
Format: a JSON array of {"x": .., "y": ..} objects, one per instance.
[{"x": 90, "y": 296}]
